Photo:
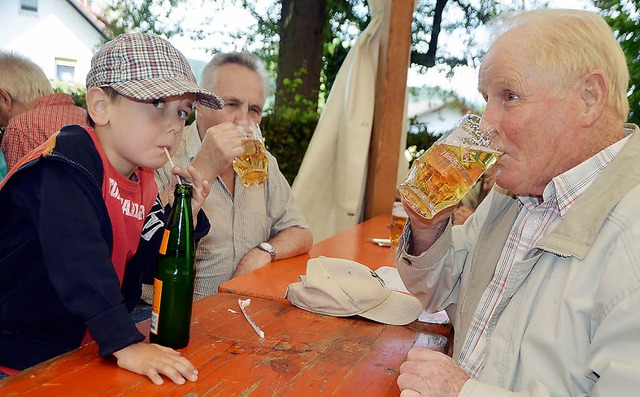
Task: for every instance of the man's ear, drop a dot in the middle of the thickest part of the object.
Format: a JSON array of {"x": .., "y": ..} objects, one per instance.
[
  {"x": 98, "y": 105},
  {"x": 6, "y": 102},
  {"x": 595, "y": 96}
]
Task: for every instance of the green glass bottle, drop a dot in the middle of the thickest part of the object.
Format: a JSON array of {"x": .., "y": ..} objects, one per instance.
[{"x": 175, "y": 275}]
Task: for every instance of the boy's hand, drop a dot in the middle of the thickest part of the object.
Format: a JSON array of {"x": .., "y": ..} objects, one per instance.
[
  {"x": 154, "y": 360},
  {"x": 201, "y": 187}
]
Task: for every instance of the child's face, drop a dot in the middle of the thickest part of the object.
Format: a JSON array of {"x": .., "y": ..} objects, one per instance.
[{"x": 139, "y": 131}]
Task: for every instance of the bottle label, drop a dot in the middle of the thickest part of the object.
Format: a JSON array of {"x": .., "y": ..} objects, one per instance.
[
  {"x": 155, "y": 306},
  {"x": 165, "y": 242}
]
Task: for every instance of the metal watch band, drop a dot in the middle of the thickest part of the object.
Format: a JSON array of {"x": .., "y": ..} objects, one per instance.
[{"x": 266, "y": 247}]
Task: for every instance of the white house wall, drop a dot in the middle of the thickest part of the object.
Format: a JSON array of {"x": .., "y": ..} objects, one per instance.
[
  {"x": 57, "y": 30},
  {"x": 440, "y": 120}
]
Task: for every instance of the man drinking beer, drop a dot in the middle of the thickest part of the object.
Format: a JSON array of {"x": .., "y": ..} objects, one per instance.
[
  {"x": 250, "y": 225},
  {"x": 542, "y": 287}
]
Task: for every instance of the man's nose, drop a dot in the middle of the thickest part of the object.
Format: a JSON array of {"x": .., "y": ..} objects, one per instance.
[
  {"x": 492, "y": 118},
  {"x": 488, "y": 115},
  {"x": 241, "y": 116}
]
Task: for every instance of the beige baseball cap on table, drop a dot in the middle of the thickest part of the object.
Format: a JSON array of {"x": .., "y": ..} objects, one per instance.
[{"x": 342, "y": 288}]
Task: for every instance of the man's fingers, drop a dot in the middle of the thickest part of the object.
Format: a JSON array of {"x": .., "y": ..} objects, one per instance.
[
  {"x": 409, "y": 384},
  {"x": 410, "y": 393}
]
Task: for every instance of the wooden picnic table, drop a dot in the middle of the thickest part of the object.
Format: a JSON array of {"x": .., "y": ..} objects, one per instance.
[{"x": 302, "y": 354}]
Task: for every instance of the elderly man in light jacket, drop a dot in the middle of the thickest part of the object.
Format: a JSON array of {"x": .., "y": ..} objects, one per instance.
[{"x": 543, "y": 288}]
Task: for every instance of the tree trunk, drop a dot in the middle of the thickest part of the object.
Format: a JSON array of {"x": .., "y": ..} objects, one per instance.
[{"x": 302, "y": 34}]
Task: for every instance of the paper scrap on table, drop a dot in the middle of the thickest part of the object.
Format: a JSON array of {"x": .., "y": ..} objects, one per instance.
[
  {"x": 243, "y": 304},
  {"x": 391, "y": 278},
  {"x": 440, "y": 317},
  {"x": 382, "y": 242}
]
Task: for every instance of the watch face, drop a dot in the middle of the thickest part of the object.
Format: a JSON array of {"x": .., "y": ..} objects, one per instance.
[{"x": 268, "y": 248}]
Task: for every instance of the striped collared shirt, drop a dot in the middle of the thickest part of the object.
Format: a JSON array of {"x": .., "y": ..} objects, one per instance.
[
  {"x": 535, "y": 220},
  {"x": 239, "y": 222}
]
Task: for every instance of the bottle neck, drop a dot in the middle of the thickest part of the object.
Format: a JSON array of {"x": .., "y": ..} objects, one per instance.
[{"x": 183, "y": 190}]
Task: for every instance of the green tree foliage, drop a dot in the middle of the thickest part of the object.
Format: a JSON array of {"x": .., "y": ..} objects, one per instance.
[
  {"x": 287, "y": 134},
  {"x": 624, "y": 18},
  {"x": 288, "y": 130},
  {"x": 149, "y": 16}
]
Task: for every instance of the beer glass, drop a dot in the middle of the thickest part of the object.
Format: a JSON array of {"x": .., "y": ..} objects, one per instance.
[
  {"x": 252, "y": 165},
  {"x": 441, "y": 176},
  {"x": 398, "y": 220}
]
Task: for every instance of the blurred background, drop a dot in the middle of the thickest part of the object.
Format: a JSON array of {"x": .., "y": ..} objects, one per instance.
[{"x": 447, "y": 44}]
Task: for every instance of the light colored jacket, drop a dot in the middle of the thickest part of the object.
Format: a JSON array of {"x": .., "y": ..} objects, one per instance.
[{"x": 572, "y": 326}]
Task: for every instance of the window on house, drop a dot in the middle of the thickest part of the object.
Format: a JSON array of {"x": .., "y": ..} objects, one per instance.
[
  {"x": 65, "y": 69},
  {"x": 29, "y": 5}
]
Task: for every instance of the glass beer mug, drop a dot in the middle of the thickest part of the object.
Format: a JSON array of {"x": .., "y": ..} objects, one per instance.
[
  {"x": 252, "y": 166},
  {"x": 441, "y": 176}
]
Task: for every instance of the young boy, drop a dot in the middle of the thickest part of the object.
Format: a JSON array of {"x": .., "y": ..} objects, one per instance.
[{"x": 80, "y": 225}]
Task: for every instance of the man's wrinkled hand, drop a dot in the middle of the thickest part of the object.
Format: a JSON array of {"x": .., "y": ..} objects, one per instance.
[
  {"x": 424, "y": 232},
  {"x": 428, "y": 373},
  {"x": 220, "y": 145}
]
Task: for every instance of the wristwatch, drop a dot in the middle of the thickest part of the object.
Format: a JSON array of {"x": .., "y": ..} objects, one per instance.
[{"x": 266, "y": 247}]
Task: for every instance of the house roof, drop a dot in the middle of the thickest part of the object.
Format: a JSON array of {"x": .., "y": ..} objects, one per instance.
[
  {"x": 90, "y": 17},
  {"x": 425, "y": 106}
]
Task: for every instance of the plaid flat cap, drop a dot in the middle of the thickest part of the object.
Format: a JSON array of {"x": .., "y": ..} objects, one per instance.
[{"x": 146, "y": 67}]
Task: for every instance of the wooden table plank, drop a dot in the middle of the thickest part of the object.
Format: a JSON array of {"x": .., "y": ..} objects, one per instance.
[{"x": 302, "y": 354}]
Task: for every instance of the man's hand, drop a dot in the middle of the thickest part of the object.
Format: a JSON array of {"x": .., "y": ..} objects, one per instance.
[
  {"x": 153, "y": 360},
  {"x": 220, "y": 145},
  {"x": 424, "y": 232},
  {"x": 460, "y": 214},
  {"x": 428, "y": 373}
]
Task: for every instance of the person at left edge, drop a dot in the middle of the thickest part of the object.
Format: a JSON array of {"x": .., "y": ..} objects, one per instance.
[
  {"x": 29, "y": 109},
  {"x": 80, "y": 222}
]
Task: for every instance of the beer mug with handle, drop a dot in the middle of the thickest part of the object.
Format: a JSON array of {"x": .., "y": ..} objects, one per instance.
[
  {"x": 441, "y": 176},
  {"x": 253, "y": 164}
]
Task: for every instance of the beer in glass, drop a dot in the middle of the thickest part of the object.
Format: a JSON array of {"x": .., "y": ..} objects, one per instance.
[
  {"x": 398, "y": 220},
  {"x": 252, "y": 166},
  {"x": 441, "y": 176}
]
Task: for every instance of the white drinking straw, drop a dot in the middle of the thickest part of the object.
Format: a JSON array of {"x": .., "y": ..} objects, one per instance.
[{"x": 172, "y": 164}]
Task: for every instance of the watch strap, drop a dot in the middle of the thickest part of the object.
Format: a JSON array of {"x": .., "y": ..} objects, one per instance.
[{"x": 268, "y": 248}]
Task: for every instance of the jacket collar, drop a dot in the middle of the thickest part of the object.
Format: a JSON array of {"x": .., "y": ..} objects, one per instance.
[{"x": 576, "y": 233}]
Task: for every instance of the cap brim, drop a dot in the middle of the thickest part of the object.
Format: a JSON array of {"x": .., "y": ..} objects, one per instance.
[
  {"x": 397, "y": 309},
  {"x": 156, "y": 88}
]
